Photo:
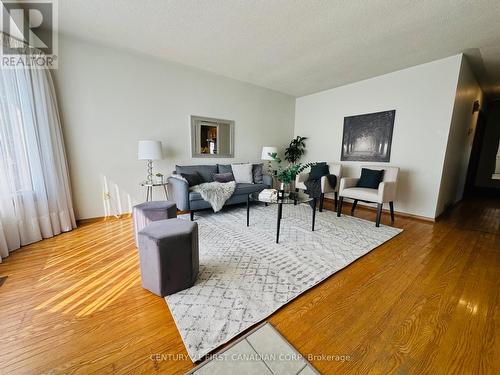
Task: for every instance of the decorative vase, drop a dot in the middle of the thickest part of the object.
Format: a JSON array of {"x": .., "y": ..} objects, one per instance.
[
  {"x": 285, "y": 189},
  {"x": 288, "y": 187},
  {"x": 159, "y": 179}
]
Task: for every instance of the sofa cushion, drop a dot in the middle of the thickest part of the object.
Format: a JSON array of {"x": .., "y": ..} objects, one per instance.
[
  {"x": 193, "y": 179},
  {"x": 242, "y": 173},
  {"x": 194, "y": 196},
  {"x": 258, "y": 173},
  {"x": 223, "y": 177},
  {"x": 225, "y": 168},
  {"x": 206, "y": 171},
  {"x": 241, "y": 189},
  {"x": 246, "y": 189}
]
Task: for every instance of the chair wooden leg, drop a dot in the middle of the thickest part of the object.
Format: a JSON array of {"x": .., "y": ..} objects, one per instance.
[
  {"x": 336, "y": 199},
  {"x": 321, "y": 202},
  {"x": 391, "y": 206},
  {"x": 379, "y": 214},
  {"x": 191, "y": 215},
  {"x": 339, "y": 208},
  {"x": 354, "y": 204}
]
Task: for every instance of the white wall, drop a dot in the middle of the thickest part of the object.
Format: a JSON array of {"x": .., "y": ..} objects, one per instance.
[
  {"x": 109, "y": 99},
  {"x": 461, "y": 137},
  {"x": 423, "y": 97}
]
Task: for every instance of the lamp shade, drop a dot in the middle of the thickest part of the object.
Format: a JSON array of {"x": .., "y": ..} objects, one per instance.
[
  {"x": 149, "y": 150},
  {"x": 266, "y": 150}
]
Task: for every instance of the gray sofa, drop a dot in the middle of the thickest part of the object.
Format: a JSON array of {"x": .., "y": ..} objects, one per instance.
[{"x": 190, "y": 201}]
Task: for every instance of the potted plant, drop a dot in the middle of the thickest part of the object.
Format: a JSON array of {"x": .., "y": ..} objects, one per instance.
[
  {"x": 293, "y": 153},
  {"x": 295, "y": 150},
  {"x": 286, "y": 175},
  {"x": 159, "y": 178}
]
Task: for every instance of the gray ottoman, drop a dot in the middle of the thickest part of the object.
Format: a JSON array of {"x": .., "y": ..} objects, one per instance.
[
  {"x": 168, "y": 251},
  {"x": 147, "y": 212}
]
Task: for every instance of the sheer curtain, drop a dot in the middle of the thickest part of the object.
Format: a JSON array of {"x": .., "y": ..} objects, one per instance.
[{"x": 35, "y": 195}]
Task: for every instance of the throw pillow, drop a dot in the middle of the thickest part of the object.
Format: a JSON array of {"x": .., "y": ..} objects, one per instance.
[
  {"x": 319, "y": 170},
  {"x": 223, "y": 177},
  {"x": 205, "y": 171},
  {"x": 370, "y": 178},
  {"x": 225, "y": 168},
  {"x": 192, "y": 178},
  {"x": 258, "y": 174},
  {"x": 242, "y": 173}
]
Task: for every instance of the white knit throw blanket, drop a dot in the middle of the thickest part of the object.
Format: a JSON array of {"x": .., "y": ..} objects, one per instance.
[{"x": 215, "y": 193}]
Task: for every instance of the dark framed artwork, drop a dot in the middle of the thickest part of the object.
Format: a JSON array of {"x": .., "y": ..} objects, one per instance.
[{"x": 368, "y": 137}]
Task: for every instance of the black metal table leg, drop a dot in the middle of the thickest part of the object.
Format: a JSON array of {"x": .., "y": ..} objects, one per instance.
[
  {"x": 314, "y": 213},
  {"x": 280, "y": 210},
  {"x": 248, "y": 210}
]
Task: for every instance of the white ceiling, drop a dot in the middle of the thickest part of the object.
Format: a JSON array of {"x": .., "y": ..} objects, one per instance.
[{"x": 296, "y": 47}]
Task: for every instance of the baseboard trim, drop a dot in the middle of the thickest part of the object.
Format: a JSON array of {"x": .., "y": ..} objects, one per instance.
[
  {"x": 92, "y": 220},
  {"x": 329, "y": 200},
  {"x": 397, "y": 213},
  {"x": 447, "y": 210}
]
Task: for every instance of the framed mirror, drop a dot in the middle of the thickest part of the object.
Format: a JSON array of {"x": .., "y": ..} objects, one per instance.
[{"x": 211, "y": 137}]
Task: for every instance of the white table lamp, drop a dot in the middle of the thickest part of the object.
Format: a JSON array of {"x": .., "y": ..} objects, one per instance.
[
  {"x": 149, "y": 150},
  {"x": 267, "y": 152}
]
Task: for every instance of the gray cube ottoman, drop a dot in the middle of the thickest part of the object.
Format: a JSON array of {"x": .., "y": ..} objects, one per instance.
[
  {"x": 147, "y": 212},
  {"x": 168, "y": 251}
]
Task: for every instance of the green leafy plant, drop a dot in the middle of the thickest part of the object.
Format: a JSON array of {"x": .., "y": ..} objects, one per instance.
[
  {"x": 295, "y": 150},
  {"x": 275, "y": 157},
  {"x": 288, "y": 174}
]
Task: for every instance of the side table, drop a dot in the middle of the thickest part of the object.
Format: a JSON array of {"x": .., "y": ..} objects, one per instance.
[{"x": 149, "y": 189}]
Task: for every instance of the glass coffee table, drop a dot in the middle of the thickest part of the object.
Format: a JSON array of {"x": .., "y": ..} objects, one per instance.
[{"x": 294, "y": 198}]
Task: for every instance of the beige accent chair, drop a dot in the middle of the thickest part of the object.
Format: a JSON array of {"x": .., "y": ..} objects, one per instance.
[
  {"x": 334, "y": 168},
  {"x": 386, "y": 192}
]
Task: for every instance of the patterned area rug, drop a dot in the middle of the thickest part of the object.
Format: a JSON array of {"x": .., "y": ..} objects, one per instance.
[{"x": 245, "y": 276}]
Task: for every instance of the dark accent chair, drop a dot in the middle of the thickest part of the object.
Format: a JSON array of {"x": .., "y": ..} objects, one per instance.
[
  {"x": 386, "y": 192},
  {"x": 334, "y": 168}
]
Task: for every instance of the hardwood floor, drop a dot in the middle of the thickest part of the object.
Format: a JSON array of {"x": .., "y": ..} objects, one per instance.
[{"x": 425, "y": 302}]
